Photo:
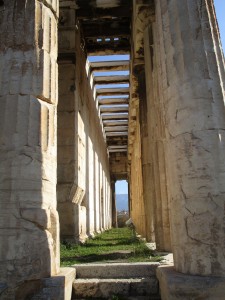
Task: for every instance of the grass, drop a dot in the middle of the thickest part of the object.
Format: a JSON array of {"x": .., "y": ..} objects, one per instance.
[{"x": 117, "y": 244}]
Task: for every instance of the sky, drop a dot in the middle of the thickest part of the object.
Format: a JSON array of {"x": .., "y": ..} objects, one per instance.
[
  {"x": 220, "y": 13},
  {"x": 121, "y": 186}
]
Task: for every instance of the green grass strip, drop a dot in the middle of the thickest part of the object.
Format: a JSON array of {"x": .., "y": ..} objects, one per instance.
[{"x": 114, "y": 245}]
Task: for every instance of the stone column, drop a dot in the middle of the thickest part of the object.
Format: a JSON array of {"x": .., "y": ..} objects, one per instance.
[
  {"x": 114, "y": 213},
  {"x": 138, "y": 212},
  {"x": 28, "y": 99},
  {"x": 109, "y": 202},
  {"x": 158, "y": 206},
  {"x": 192, "y": 77},
  {"x": 97, "y": 195},
  {"x": 145, "y": 155}
]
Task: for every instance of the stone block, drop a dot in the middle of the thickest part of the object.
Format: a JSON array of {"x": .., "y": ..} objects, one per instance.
[
  {"x": 178, "y": 286},
  {"x": 104, "y": 288},
  {"x": 116, "y": 270},
  {"x": 57, "y": 287},
  {"x": 40, "y": 217}
]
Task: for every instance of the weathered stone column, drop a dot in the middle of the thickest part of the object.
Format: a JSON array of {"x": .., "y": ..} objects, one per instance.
[
  {"x": 91, "y": 194},
  {"x": 96, "y": 195},
  {"x": 145, "y": 155},
  {"x": 108, "y": 195},
  {"x": 114, "y": 213},
  {"x": 29, "y": 235},
  {"x": 192, "y": 75},
  {"x": 138, "y": 212},
  {"x": 158, "y": 198}
]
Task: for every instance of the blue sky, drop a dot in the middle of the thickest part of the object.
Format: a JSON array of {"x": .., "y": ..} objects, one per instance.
[
  {"x": 220, "y": 12},
  {"x": 121, "y": 186}
]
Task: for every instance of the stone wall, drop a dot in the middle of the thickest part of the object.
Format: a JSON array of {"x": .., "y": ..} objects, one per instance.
[{"x": 84, "y": 197}]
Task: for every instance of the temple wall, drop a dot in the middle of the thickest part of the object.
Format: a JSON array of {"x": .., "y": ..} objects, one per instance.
[{"x": 83, "y": 167}]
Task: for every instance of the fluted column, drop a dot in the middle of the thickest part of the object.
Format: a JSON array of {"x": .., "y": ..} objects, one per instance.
[
  {"x": 158, "y": 198},
  {"x": 145, "y": 156},
  {"x": 192, "y": 95},
  {"x": 29, "y": 224}
]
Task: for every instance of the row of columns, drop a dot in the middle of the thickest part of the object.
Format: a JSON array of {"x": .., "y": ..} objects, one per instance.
[
  {"x": 29, "y": 222},
  {"x": 183, "y": 154}
]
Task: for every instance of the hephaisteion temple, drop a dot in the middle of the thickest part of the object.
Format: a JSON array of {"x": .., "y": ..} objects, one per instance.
[{"x": 71, "y": 126}]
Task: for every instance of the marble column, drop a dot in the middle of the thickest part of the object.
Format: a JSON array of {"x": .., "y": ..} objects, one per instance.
[
  {"x": 158, "y": 198},
  {"x": 146, "y": 156},
  {"x": 29, "y": 227},
  {"x": 192, "y": 92}
]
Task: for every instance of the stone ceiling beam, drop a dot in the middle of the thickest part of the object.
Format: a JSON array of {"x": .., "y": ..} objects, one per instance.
[
  {"x": 114, "y": 116},
  {"x": 118, "y": 122},
  {"x": 110, "y": 101},
  {"x": 103, "y": 13},
  {"x": 116, "y": 128},
  {"x": 108, "y": 51},
  {"x": 101, "y": 3},
  {"x": 111, "y": 79},
  {"x": 116, "y": 134},
  {"x": 109, "y": 65},
  {"x": 100, "y": 30},
  {"x": 113, "y": 109},
  {"x": 117, "y": 150},
  {"x": 118, "y": 147},
  {"x": 112, "y": 91}
]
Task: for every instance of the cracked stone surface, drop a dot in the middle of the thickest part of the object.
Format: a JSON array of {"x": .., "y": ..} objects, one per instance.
[
  {"x": 28, "y": 95},
  {"x": 192, "y": 109}
]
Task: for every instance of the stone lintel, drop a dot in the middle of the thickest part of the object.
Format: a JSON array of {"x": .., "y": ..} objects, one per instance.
[{"x": 178, "y": 286}]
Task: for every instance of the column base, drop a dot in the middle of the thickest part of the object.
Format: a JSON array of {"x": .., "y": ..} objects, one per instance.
[
  {"x": 91, "y": 235},
  {"x": 74, "y": 240},
  {"x": 82, "y": 239},
  {"x": 178, "y": 286},
  {"x": 58, "y": 287}
]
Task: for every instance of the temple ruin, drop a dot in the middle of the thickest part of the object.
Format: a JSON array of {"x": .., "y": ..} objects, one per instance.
[{"x": 72, "y": 125}]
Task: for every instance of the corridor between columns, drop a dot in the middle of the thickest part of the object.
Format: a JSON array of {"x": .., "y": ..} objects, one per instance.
[{"x": 92, "y": 92}]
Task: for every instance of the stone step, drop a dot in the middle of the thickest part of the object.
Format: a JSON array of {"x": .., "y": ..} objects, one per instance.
[
  {"x": 105, "y": 288},
  {"x": 116, "y": 270}
]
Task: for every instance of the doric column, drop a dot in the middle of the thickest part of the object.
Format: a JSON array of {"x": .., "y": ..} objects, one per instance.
[
  {"x": 28, "y": 99},
  {"x": 137, "y": 208},
  {"x": 158, "y": 198},
  {"x": 145, "y": 155},
  {"x": 192, "y": 93}
]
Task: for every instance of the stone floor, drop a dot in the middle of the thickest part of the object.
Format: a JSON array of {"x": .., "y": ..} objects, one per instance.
[{"x": 167, "y": 256}]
